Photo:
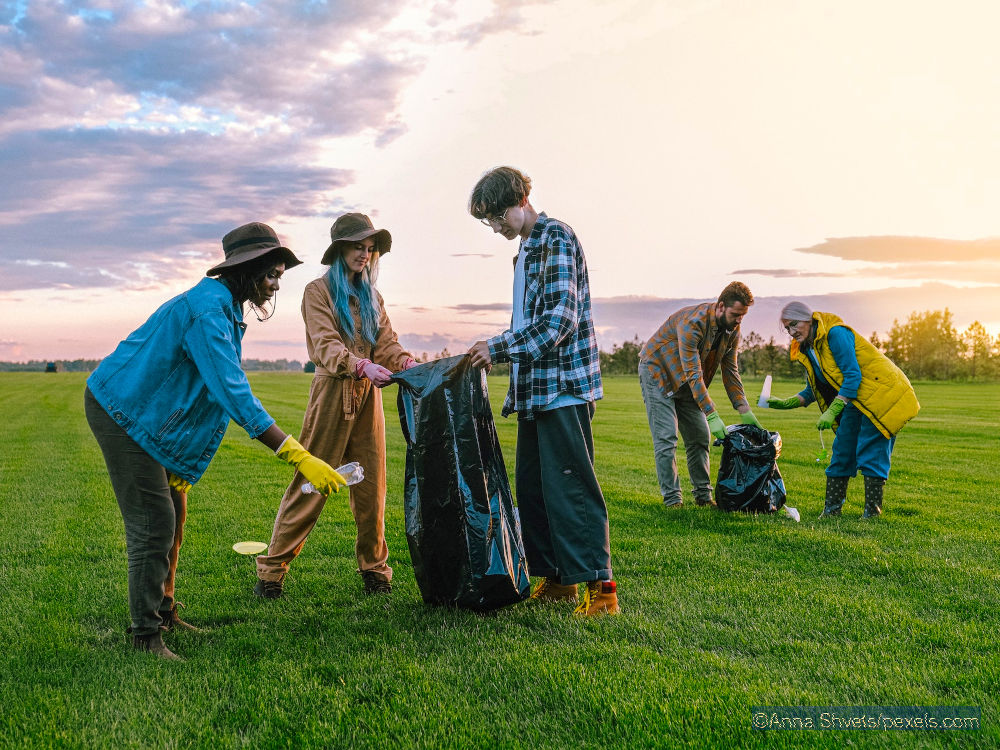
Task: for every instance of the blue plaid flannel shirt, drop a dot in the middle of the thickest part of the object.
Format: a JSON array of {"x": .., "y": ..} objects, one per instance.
[{"x": 557, "y": 351}]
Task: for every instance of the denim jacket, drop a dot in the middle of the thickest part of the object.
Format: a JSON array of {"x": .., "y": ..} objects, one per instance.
[{"x": 175, "y": 382}]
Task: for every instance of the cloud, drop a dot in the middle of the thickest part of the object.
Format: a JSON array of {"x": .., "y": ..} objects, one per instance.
[
  {"x": 889, "y": 257},
  {"x": 135, "y": 208},
  {"x": 786, "y": 273},
  {"x": 890, "y": 249},
  {"x": 431, "y": 343},
  {"x": 482, "y": 308},
  {"x": 139, "y": 133}
]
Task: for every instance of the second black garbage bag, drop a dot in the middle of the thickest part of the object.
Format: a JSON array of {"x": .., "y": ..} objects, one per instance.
[
  {"x": 749, "y": 479},
  {"x": 461, "y": 526}
]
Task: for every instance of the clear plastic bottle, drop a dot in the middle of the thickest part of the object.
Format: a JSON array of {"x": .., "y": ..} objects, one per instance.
[{"x": 352, "y": 474}]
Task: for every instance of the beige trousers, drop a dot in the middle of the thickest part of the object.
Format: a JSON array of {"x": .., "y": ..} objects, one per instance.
[{"x": 337, "y": 437}]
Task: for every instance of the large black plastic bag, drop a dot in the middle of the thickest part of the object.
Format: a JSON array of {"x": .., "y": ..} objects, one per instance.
[
  {"x": 461, "y": 526},
  {"x": 749, "y": 479}
]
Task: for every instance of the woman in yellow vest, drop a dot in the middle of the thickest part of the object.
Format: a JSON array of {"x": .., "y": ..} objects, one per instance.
[{"x": 864, "y": 398}]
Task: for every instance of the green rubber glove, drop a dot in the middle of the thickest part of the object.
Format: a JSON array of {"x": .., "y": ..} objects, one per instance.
[
  {"x": 792, "y": 402},
  {"x": 716, "y": 426},
  {"x": 747, "y": 417},
  {"x": 830, "y": 415},
  {"x": 319, "y": 473}
]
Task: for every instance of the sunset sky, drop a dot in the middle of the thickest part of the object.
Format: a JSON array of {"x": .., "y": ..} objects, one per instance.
[{"x": 843, "y": 152}]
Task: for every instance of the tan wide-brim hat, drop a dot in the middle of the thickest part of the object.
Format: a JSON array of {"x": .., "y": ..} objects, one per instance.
[
  {"x": 252, "y": 241},
  {"x": 354, "y": 228}
]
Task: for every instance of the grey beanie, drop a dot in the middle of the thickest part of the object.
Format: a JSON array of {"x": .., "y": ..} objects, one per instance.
[{"x": 796, "y": 311}]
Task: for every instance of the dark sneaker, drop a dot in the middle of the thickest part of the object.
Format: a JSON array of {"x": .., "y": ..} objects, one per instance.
[
  {"x": 550, "y": 590},
  {"x": 172, "y": 621},
  {"x": 599, "y": 598},
  {"x": 153, "y": 643},
  {"x": 268, "y": 589},
  {"x": 702, "y": 502},
  {"x": 375, "y": 583},
  {"x": 673, "y": 504}
]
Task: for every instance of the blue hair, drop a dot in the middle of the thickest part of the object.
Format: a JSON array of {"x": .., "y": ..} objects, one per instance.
[{"x": 342, "y": 290}]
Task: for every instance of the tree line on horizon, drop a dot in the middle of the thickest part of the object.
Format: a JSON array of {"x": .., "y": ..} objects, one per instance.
[{"x": 927, "y": 346}]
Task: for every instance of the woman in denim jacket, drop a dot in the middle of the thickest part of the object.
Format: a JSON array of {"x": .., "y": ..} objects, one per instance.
[{"x": 159, "y": 406}]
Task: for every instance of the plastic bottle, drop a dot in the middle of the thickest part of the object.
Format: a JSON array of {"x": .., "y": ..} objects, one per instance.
[
  {"x": 352, "y": 474},
  {"x": 765, "y": 393}
]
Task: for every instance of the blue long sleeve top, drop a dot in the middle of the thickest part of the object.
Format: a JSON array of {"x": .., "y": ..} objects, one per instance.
[{"x": 841, "y": 343}]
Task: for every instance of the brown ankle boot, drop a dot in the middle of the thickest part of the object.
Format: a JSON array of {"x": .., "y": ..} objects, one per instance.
[
  {"x": 550, "y": 590},
  {"x": 599, "y": 598},
  {"x": 153, "y": 643}
]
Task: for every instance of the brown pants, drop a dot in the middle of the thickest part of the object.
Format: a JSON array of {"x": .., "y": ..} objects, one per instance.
[{"x": 329, "y": 435}]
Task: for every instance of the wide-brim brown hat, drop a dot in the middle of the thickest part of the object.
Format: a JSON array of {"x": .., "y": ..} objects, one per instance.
[
  {"x": 354, "y": 228},
  {"x": 251, "y": 241}
]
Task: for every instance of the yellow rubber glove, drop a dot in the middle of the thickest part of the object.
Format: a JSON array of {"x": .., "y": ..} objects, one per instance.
[
  {"x": 177, "y": 483},
  {"x": 828, "y": 417},
  {"x": 716, "y": 426},
  {"x": 747, "y": 417},
  {"x": 319, "y": 473}
]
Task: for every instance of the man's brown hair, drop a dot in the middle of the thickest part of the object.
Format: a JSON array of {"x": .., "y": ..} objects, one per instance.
[
  {"x": 737, "y": 291},
  {"x": 498, "y": 190}
]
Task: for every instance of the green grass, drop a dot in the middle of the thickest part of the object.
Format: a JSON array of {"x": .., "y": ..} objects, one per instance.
[{"x": 720, "y": 612}]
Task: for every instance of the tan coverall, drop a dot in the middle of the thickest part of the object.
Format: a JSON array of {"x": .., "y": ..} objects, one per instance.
[{"x": 343, "y": 422}]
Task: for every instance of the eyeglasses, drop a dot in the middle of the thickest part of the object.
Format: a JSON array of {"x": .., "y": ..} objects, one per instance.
[
  {"x": 489, "y": 221},
  {"x": 792, "y": 326}
]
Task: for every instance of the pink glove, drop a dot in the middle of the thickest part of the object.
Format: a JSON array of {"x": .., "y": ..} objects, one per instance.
[
  {"x": 379, "y": 375},
  {"x": 410, "y": 362}
]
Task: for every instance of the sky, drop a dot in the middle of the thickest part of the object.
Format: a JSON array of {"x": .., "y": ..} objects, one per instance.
[{"x": 846, "y": 153}]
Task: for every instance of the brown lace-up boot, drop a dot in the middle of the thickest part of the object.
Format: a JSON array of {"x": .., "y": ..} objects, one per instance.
[
  {"x": 599, "y": 598},
  {"x": 550, "y": 590}
]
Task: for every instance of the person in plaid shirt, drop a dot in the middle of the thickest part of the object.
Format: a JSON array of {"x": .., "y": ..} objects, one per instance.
[
  {"x": 555, "y": 378},
  {"x": 676, "y": 367}
]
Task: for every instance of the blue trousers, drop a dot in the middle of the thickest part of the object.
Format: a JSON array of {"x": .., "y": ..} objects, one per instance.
[{"x": 859, "y": 446}]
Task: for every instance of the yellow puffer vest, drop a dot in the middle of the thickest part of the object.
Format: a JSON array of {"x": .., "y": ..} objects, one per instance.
[{"x": 885, "y": 395}]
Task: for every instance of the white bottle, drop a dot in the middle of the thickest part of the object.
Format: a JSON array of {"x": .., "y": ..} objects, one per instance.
[
  {"x": 352, "y": 474},
  {"x": 765, "y": 393}
]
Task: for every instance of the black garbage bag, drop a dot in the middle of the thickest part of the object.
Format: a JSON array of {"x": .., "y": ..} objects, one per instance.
[
  {"x": 463, "y": 532},
  {"x": 749, "y": 479}
]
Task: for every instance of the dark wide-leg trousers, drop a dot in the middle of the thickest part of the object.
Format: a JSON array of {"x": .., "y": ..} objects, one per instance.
[
  {"x": 153, "y": 513},
  {"x": 564, "y": 520}
]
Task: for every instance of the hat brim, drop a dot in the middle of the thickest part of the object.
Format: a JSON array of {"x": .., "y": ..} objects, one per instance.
[
  {"x": 237, "y": 260},
  {"x": 383, "y": 242}
]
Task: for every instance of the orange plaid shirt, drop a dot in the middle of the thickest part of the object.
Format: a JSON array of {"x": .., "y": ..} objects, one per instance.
[{"x": 688, "y": 349}]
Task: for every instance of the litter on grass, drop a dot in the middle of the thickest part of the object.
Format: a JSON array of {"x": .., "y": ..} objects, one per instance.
[{"x": 249, "y": 548}]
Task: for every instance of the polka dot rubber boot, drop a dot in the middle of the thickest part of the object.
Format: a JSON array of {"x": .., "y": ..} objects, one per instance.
[
  {"x": 874, "y": 488},
  {"x": 836, "y": 494}
]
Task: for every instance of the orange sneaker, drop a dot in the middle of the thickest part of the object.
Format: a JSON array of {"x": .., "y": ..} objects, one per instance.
[
  {"x": 599, "y": 598},
  {"x": 550, "y": 590}
]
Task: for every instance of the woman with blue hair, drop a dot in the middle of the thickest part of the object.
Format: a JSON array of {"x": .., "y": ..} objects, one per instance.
[{"x": 355, "y": 350}]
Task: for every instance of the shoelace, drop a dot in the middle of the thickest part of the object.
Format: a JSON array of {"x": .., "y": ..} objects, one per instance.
[
  {"x": 590, "y": 591},
  {"x": 540, "y": 590}
]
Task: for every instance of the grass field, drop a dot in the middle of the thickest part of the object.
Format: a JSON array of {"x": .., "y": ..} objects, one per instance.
[{"x": 720, "y": 612}]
